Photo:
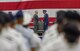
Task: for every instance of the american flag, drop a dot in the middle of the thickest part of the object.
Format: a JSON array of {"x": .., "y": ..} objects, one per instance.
[
  {"x": 38, "y": 4},
  {"x": 29, "y": 6}
]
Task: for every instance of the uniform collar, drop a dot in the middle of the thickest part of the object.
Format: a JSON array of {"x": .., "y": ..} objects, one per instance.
[{"x": 4, "y": 30}]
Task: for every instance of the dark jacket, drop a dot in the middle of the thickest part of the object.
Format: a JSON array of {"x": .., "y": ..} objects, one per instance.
[
  {"x": 46, "y": 19},
  {"x": 36, "y": 19}
]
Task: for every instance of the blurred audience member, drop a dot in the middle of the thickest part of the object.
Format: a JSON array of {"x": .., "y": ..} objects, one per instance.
[{"x": 68, "y": 35}]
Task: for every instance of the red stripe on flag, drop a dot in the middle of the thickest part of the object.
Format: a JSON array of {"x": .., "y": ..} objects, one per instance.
[
  {"x": 38, "y": 5},
  {"x": 51, "y": 21}
]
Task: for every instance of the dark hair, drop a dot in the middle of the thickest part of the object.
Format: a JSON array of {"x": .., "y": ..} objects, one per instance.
[
  {"x": 8, "y": 18},
  {"x": 60, "y": 16},
  {"x": 44, "y": 10},
  {"x": 70, "y": 29},
  {"x": 3, "y": 17},
  {"x": 11, "y": 17},
  {"x": 71, "y": 33},
  {"x": 72, "y": 15},
  {"x": 19, "y": 14}
]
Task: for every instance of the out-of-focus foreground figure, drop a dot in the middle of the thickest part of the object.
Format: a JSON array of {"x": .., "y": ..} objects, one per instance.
[
  {"x": 10, "y": 39},
  {"x": 33, "y": 43},
  {"x": 15, "y": 37},
  {"x": 65, "y": 35},
  {"x": 51, "y": 34}
]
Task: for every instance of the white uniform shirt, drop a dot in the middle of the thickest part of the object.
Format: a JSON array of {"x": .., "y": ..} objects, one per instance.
[
  {"x": 30, "y": 30},
  {"x": 61, "y": 45},
  {"x": 35, "y": 39},
  {"x": 15, "y": 39},
  {"x": 27, "y": 35},
  {"x": 50, "y": 35},
  {"x": 5, "y": 45}
]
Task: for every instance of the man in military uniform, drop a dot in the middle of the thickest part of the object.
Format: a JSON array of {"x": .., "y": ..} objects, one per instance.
[{"x": 46, "y": 20}]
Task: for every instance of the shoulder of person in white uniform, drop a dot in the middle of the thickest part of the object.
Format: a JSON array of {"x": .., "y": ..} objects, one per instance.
[
  {"x": 36, "y": 40},
  {"x": 17, "y": 38},
  {"x": 65, "y": 41},
  {"x": 50, "y": 35},
  {"x": 27, "y": 34}
]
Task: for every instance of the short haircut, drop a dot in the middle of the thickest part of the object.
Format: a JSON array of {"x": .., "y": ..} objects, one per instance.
[
  {"x": 3, "y": 18},
  {"x": 72, "y": 15},
  {"x": 60, "y": 16},
  {"x": 19, "y": 14},
  {"x": 44, "y": 10}
]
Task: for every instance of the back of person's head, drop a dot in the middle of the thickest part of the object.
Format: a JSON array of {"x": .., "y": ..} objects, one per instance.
[
  {"x": 60, "y": 16},
  {"x": 4, "y": 16},
  {"x": 12, "y": 17},
  {"x": 19, "y": 14},
  {"x": 3, "y": 20},
  {"x": 19, "y": 17},
  {"x": 72, "y": 15},
  {"x": 12, "y": 20},
  {"x": 72, "y": 33}
]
